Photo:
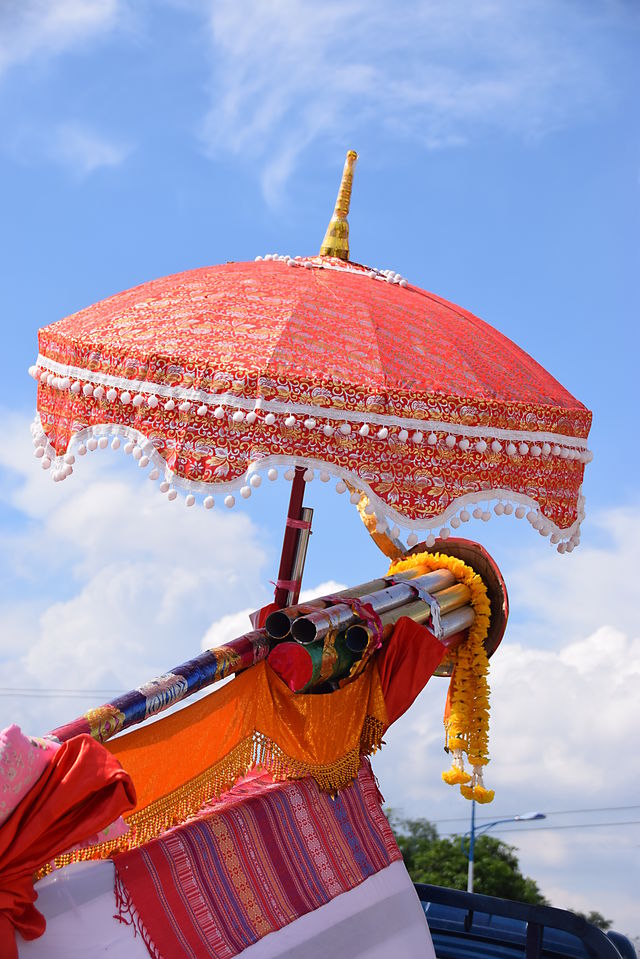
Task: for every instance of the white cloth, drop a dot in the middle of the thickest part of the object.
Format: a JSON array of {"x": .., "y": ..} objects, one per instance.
[
  {"x": 79, "y": 905},
  {"x": 381, "y": 917}
]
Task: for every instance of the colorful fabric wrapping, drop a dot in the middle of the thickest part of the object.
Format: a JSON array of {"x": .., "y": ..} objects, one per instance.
[
  {"x": 216, "y": 885},
  {"x": 368, "y": 615},
  {"x": 181, "y": 762},
  {"x": 304, "y": 667},
  {"x": 164, "y": 691}
]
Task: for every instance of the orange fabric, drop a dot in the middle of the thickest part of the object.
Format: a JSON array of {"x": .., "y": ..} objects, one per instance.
[
  {"x": 316, "y": 732},
  {"x": 406, "y": 663},
  {"x": 82, "y": 790}
]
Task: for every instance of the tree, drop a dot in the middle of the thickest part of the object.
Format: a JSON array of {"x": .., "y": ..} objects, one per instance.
[{"x": 443, "y": 862}]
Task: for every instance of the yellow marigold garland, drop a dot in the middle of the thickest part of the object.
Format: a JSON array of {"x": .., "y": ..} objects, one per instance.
[{"x": 467, "y": 716}]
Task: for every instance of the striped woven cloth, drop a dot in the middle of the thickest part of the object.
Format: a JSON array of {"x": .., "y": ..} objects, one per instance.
[{"x": 253, "y": 863}]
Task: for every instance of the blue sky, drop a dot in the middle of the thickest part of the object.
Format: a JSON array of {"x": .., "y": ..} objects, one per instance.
[{"x": 499, "y": 167}]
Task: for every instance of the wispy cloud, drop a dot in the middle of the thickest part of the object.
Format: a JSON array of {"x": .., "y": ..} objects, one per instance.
[
  {"x": 76, "y": 147},
  {"x": 31, "y": 28},
  {"x": 36, "y": 31},
  {"x": 288, "y": 73},
  {"x": 83, "y": 151}
]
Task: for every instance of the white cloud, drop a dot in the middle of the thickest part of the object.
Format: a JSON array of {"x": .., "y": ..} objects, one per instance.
[
  {"x": 594, "y": 587},
  {"x": 287, "y": 73},
  {"x": 83, "y": 151},
  {"x": 226, "y": 628},
  {"x": 112, "y": 584},
  {"x": 560, "y": 716},
  {"x": 30, "y": 28}
]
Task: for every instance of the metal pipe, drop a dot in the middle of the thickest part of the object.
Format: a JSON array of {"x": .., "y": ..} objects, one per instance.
[
  {"x": 297, "y": 569},
  {"x": 456, "y": 621},
  {"x": 306, "y": 629},
  {"x": 452, "y": 598},
  {"x": 358, "y": 635},
  {"x": 278, "y": 623}
]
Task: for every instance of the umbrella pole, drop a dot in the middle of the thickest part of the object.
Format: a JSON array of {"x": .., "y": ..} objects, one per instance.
[{"x": 295, "y": 524}]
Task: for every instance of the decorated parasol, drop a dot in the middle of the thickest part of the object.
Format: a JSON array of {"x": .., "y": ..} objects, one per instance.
[
  {"x": 218, "y": 378},
  {"x": 316, "y": 366}
]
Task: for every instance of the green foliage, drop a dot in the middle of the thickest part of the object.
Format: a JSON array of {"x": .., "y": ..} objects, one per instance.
[{"x": 443, "y": 861}]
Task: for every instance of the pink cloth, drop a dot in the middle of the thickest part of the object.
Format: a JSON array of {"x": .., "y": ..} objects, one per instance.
[{"x": 23, "y": 759}]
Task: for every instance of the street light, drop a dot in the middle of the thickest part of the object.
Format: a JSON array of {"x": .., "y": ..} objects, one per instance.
[{"x": 473, "y": 832}]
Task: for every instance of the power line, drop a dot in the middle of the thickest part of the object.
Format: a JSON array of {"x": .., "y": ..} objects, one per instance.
[
  {"x": 33, "y": 693},
  {"x": 566, "y": 812},
  {"x": 577, "y": 825},
  {"x": 553, "y": 812}
]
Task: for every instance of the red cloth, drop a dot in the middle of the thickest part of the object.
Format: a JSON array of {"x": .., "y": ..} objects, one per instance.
[
  {"x": 83, "y": 790},
  {"x": 406, "y": 663},
  {"x": 259, "y": 618}
]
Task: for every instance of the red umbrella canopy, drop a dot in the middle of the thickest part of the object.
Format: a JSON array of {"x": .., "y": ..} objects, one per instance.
[{"x": 218, "y": 375}]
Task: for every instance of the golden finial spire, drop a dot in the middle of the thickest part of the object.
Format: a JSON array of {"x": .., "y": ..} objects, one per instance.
[{"x": 336, "y": 239}]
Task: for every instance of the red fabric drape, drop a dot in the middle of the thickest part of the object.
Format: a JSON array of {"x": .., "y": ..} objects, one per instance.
[
  {"x": 83, "y": 790},
  {"x": 406, "y": 663}
]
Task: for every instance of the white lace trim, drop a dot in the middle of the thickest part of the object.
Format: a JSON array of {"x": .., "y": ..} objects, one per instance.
[
  {"x": 147, "y": 455},
  {"x": 319, "y": 262},
  {"x": 63, "y": 377}
]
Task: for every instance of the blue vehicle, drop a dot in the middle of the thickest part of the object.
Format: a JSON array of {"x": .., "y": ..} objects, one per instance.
[{"x": 472, "y": 926}]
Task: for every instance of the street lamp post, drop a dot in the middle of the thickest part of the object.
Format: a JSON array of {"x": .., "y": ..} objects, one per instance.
[{"x": 473, "y": 832}]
